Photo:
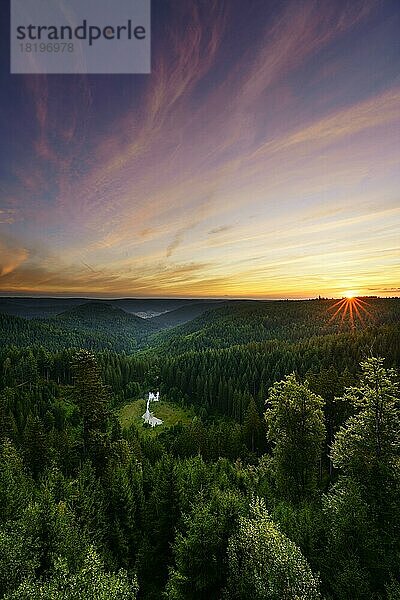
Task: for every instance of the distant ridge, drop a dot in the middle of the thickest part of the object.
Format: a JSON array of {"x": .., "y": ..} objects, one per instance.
[
  {"x": 46, "y": 307},
  {"x": 184, "y": 314},
  {"x": 95, "y": 308}
]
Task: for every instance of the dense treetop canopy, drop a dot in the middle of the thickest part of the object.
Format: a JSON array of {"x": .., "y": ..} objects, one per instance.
[{"x": 282, "y": 484}]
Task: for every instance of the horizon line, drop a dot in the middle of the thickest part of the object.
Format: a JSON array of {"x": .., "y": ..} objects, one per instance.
[{"x": 200, "y": 298}]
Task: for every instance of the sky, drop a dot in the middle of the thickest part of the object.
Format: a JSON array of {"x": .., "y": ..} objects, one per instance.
[{"x": 259, "y": 159}]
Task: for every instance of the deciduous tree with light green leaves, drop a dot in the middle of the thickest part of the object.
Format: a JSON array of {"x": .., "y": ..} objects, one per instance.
[
  {"x": 90, "y": 583},
  {"x": 263, "y": 564}
]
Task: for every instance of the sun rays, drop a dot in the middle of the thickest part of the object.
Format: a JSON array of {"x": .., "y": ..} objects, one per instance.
[{"x": 350, "y": 308}]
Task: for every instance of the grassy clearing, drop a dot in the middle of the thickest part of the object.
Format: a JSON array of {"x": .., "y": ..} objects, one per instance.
[{"x": 170, "y": 413}]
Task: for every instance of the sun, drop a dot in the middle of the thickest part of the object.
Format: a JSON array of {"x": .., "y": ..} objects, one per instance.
[{"x": 350, "y": 308}]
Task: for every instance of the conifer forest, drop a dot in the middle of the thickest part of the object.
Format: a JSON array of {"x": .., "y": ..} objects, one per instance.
[{"x": 275, "y": 473}]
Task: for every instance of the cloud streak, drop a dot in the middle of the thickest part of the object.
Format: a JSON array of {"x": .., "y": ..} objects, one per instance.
[
  {"x": 11, "y": 258},
  {"x": 133, "y": 184}
]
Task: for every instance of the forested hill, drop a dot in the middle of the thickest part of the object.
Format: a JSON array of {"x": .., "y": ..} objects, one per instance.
[
  {"x": 281, "y": 481},
  {"x": 105, "y": 318},
  {"x": 194, "y": 326},
  {"x": 143, "y": 307},
  {"x": 249, "y": 322},
  {"x": 94, "y": 325},
  {"x": 183, "y": 314},
  {"x": 97, "y": 326}
]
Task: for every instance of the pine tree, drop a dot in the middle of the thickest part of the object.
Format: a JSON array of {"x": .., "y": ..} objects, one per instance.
[
  {"x": 36, "y": 446},
  {"x": 362, "y": 509},
  {"x": 93, "y": 400},
  {"x": 296, "y": 429},
  {"x": 200, "y": 552},
  {"x": 252, "y": 426}
]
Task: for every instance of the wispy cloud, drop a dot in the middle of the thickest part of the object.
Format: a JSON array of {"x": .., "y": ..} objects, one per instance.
[
  {"x": 11, "y": 257},
  {"x": 220, "y": 229},
  {"x": 7, "y": 215},
  {"x": 372, "y": 113},
  {"x": 225, "y": 171}
]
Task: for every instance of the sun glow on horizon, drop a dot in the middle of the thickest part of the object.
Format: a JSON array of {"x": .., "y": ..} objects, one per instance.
[{"x": 351, "y": 306}]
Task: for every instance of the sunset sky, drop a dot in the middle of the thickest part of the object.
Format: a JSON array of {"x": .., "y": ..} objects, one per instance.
[{"x": 259, "y": 159}]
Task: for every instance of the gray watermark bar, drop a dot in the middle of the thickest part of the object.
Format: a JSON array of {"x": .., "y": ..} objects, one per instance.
[{"x": 80, "y": 36}]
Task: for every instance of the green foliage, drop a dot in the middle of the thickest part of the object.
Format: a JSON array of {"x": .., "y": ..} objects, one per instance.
[
  {"x": 83, "y": 498},
  {"x": 200, "y": 549},
  {"x": 94, "y": 326},
  {"x": 353, "y": 542},
  {"x": 249, "y": 322},
  {"x": 19, "y": 554},
  {"x": 15, "y": 486},
  {"x": 304, "y": 524},
  {"x": 91, "y": 582},
  {"x": 89, "y": 503},
  {"x": 36, "y": 445},
  {"x": 253, "y": 427},
  {"x": 171, "y": 414},
  {"x": 159, "y": 524},
  {"x": 368, "y": 446},
  {"x": 265, "y": 565},
  {"x": 362, "y": 509},
  {"x": 124, "y": 492},
  {"x": 393, "y": 590},
  {"x": 55, "y": 526},
  {"x": 93, "y": 400},
  {"x": 223, "y": 379},
  {"x": 296, "y": 430}
]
